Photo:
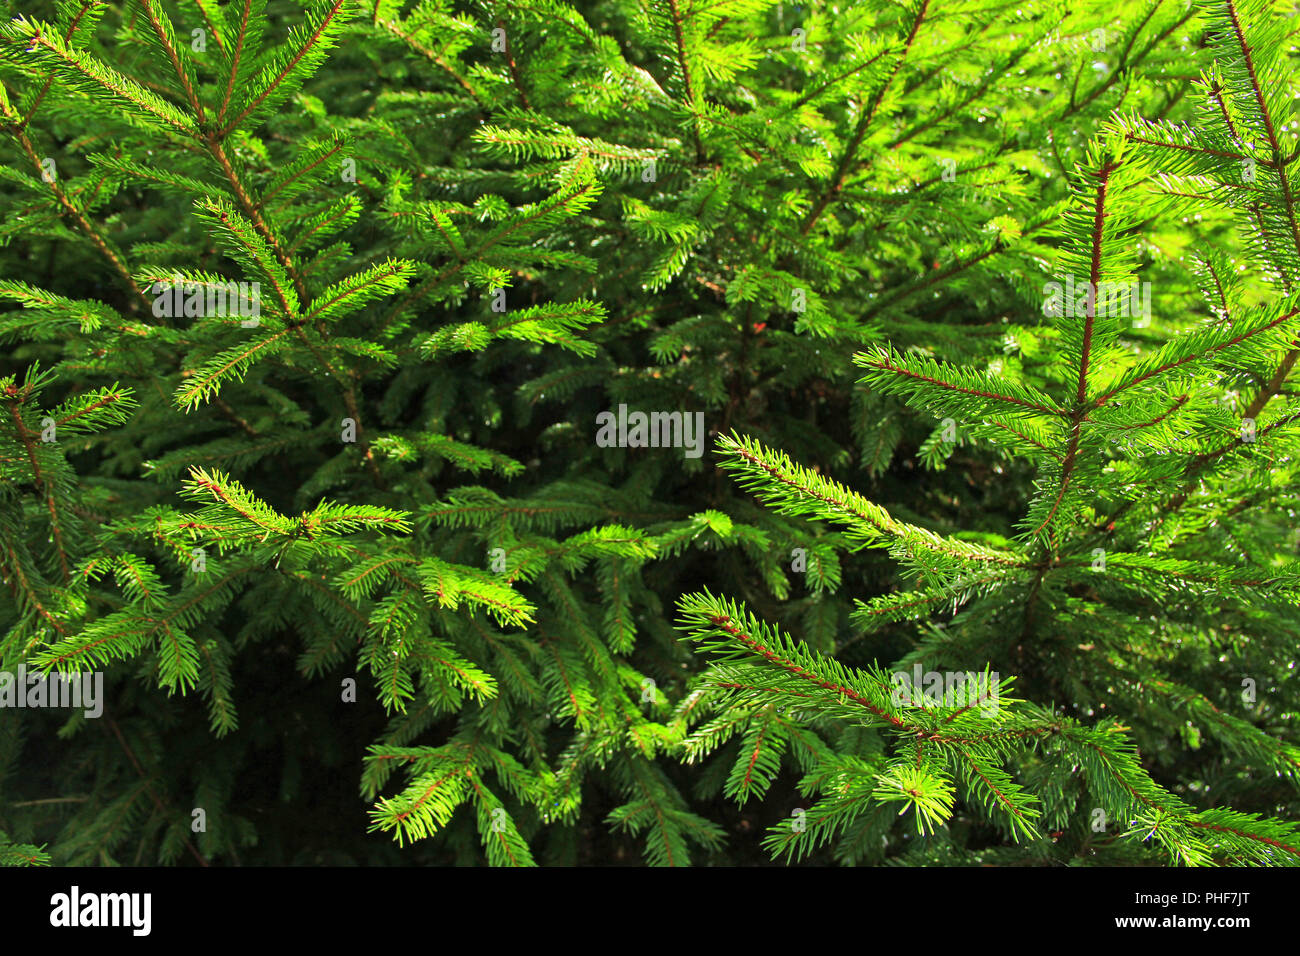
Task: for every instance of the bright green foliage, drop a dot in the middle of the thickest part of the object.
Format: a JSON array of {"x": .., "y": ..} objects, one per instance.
[{"x": 364, "y": 533}]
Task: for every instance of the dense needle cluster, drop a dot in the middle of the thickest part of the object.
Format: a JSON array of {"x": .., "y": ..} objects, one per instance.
[{"x": 313, "y": 312}]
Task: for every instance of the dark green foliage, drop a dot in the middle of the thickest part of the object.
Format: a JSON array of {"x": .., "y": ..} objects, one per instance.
[{"x": 368, "y": 537}]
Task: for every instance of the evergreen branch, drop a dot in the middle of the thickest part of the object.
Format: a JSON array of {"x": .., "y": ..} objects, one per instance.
[
  {"x": 1094, "y": 277},
  {"x": 44, "y": 482},
  {"x": 441, "y": 61},
  {"x": 69, "y": 33},
  {"x": 860, "y": 131},
  {"x": 1207, "y": 821},
  {"x": 22, "y": 583},
  {"x": 1102, "y": 176},
  {"x": 1267, "y": 117},
  {"x": 89, "y": 76},
  {"x": 203, "y": 483},
  {"x": 709, "y": 619},
  {"x": 682, "y": 62},
  {"x": 235, "y": 229},
  {"x": 1201, "y": 348},
  {"x": 796, "y": 491},
  {"x": 206, "y": 381},
  {"x": 162, "y": 810},
  {"x": 93, "y": 234},
  {"x": 375, "y": 283},
  {"x": 210, "y": 23},
  {"x": 884, "y": 360},
  {"x": 513, "y": 67},
  {"x": 1124, "y": 69},
  {"x": 312, "y": 46},
  {"x": 162, "y": 29},
  {"x": 21, "y": 854},
  {"x": 241, "y": 37}
]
